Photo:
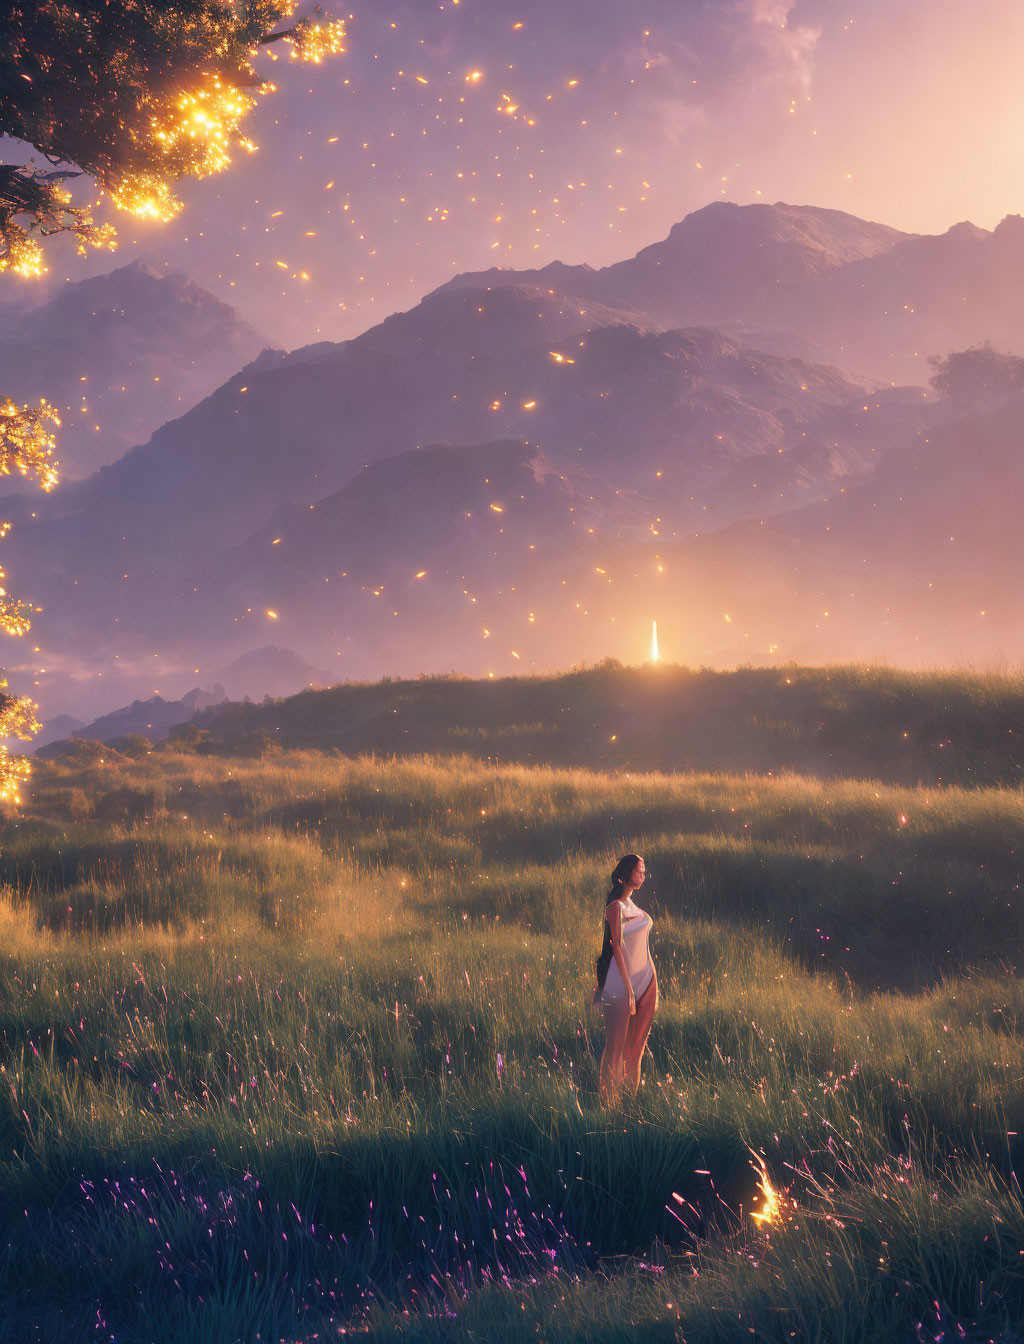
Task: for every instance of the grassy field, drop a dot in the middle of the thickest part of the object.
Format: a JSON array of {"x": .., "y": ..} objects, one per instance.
[{"x": 298, "y": 1046}]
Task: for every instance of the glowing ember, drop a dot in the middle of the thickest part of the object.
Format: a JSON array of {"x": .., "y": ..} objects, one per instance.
[{"x": 774, "y": 1203}]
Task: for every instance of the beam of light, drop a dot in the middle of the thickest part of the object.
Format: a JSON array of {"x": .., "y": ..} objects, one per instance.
[{"x": 655, "y": 651}]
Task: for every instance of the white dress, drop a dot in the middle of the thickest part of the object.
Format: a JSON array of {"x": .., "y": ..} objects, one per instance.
[{"x": 636, "y": 927}]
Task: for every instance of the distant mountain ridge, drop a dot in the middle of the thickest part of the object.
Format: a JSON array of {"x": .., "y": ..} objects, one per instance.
[
  {"x": 873, "y": 299},
  {"x": 720, "y": 263},
  {"x": 121, "y": 354},
  {"x": 267, "y": 670}
]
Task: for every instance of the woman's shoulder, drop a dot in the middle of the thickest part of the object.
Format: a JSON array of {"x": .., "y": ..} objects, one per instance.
[{"x": 612, "y": 906}]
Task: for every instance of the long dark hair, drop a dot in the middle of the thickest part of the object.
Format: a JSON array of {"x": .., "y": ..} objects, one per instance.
[{"x": 620, "y": 876}]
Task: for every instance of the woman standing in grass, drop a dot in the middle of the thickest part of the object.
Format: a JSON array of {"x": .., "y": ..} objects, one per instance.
[{"x": 627, "y": 985}]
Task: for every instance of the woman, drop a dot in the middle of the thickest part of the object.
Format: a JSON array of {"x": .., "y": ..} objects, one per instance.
[{"x": 627, "y": 985}]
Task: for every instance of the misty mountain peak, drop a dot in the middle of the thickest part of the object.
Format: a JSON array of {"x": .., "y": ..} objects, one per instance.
[
  {"x": 966, "y": 231},
  {"x": 147, "y": 289},
  {"x": 1010, "y": 227},
  {"x": 737, "y": 248},
  {"x": 119, "y": 354}
]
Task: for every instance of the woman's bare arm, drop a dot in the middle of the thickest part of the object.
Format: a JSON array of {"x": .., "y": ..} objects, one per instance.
[{"x": 613, "y": 914}]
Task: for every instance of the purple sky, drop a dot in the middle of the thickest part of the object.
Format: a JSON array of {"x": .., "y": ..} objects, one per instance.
[{"x": 895, "y": 110}]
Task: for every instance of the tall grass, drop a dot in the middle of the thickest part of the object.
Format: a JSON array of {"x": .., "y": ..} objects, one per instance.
[{"x": 303, "y": 1044}]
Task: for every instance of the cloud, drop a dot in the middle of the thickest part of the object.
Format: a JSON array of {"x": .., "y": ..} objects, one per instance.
[
  {"x": 770, "y": 51},
  {"x": 712, "y": 67}
]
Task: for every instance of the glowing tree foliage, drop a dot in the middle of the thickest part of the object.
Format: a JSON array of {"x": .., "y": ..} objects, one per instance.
[
  {"x": 26, "y": 446},
  {"x": 41, "y": 198},
  {"x": 17, "y": 719},
  {"x": 136, "y": 94}
]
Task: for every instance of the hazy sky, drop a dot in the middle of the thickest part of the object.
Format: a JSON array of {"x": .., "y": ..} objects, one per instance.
[{"x": 468, "y": 133}]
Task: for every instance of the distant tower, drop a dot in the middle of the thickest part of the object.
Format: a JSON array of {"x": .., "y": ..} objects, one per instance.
[{"x": 655, "y": 653}]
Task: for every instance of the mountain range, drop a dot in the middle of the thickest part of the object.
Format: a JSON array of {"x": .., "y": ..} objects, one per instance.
[{"x": 527, "y": 468}]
